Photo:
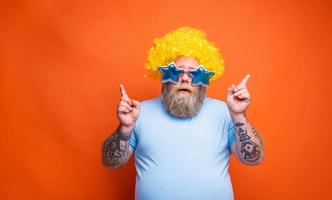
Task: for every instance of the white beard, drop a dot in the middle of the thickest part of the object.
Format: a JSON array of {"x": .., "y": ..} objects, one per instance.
[{"x": 182, "y": 106}]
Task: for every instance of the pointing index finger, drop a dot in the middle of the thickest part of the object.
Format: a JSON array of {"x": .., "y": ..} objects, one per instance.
[
  {"x": 123, "y": 92},
  {"x": 245, "y": 80}
]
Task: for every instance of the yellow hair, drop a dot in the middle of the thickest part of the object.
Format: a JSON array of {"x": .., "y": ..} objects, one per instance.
[{"x": 184, "y": 41}]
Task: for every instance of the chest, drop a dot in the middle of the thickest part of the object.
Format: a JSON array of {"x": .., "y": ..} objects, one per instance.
[{"x": 165, "y": 139}]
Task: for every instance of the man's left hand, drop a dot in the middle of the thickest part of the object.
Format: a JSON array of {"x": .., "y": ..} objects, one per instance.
[{"x": 238, "y": 97}]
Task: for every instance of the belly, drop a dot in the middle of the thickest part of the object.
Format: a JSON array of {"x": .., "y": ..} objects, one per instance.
[{"x": 166, "y": 184}]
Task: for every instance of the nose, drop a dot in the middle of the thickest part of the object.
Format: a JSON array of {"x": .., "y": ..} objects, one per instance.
[{"x": 185, "y": 77}]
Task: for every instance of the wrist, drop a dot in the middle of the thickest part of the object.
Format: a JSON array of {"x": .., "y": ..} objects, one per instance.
[
  {"x": 238, "y": 117},
  {"x": 124, "y": 133},
  {"x": 125, "y": 130}
]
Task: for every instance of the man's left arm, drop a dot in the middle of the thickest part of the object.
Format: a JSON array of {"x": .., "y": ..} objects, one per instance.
[{"x": 248, "y": 145}]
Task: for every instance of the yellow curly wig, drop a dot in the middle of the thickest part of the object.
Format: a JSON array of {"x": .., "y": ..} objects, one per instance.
[{"x": 184, "y": 41}]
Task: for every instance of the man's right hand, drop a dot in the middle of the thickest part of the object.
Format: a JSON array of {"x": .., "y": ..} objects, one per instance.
[{"x": 127, "y": 112}]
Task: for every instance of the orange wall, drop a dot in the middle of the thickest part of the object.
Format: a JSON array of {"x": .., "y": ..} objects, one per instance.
[{"x": 62, "y": 61}]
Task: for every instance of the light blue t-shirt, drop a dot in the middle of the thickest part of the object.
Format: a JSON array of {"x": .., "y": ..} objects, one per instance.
[{"x": 183, "y": 159}]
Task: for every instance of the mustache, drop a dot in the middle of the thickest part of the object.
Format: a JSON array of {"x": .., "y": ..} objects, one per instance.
[{"x": 186, "y": 88}]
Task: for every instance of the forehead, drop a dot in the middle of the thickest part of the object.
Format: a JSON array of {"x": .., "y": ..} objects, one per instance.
[{"x": 186, "y": 62}]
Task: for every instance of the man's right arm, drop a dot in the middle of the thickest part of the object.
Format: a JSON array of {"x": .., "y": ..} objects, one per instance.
[{"x": 115, "y": 150}]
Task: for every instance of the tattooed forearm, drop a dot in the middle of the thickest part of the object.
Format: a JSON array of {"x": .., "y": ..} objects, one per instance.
[
  {"x": 257, "y": 136},
  {"x": 250, "y": 150},
  {"x": 114, "y": 149}
]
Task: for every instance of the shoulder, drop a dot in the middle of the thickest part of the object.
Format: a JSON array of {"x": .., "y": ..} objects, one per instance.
[
  {"x": 150, "y": 109},
  {"x": 215, "y": 103},
  {"x": 151, "y": 104},
  {"x": 215, "y": 108}
]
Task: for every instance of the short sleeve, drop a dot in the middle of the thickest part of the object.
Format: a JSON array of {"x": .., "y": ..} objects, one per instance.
[
  {"x": 133, "y": 140},
  {"x": 230, "y": 129}
]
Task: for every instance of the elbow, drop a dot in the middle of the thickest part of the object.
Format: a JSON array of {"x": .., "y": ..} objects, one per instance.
[
  {"x": 110, "y": 165},
  {"x": 259, "y": 161}
]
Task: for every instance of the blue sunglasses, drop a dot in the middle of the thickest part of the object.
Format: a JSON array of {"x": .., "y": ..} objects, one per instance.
[{"x": 199, "y": 76}]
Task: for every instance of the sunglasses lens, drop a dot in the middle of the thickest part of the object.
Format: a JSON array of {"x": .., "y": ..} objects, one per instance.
[
  {"x": 201, "y": 76},
  {"x": 171, "y": 73}
]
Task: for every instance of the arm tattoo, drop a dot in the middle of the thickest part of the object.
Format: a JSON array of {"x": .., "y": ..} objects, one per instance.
[
  {"x": 250, "y": 149},
  {"x": 256, "y": 134},
  {"x": 114, "y": 149}
]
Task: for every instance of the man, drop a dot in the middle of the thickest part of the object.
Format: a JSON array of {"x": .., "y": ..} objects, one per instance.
[{"x": 183, "y": 139}]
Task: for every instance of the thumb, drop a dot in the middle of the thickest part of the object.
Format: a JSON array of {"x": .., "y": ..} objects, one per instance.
[
  {"x": 136, "y": 103},
  {"x": 230, "y": 91}
]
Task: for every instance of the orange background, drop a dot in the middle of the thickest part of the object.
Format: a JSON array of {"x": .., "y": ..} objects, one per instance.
[{"x": 62, "y": 61}]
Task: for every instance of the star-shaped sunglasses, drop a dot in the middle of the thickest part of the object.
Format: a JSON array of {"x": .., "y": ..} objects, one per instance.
[{"x": 199, "y": 76}]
